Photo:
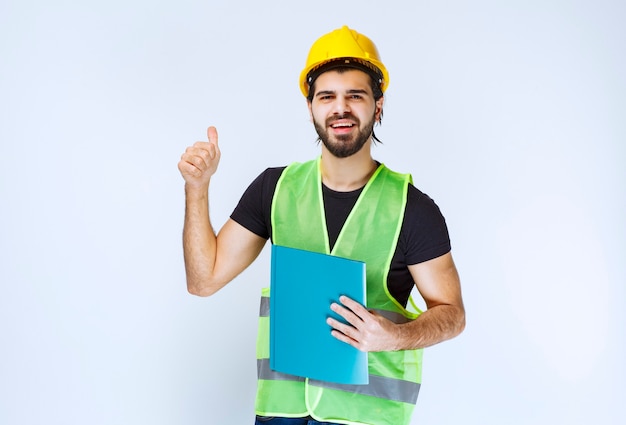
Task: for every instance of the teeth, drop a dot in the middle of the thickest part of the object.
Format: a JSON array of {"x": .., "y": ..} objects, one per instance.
[{"x": 341, "y": 125}]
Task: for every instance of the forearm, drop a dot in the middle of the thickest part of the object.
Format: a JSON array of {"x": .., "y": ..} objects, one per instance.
[
  {"x": 439, "y": 285},
  {"x": 433, "y": 326},
  {"x": 199, "y": 242},
  {"x": 369, "y": 331}
]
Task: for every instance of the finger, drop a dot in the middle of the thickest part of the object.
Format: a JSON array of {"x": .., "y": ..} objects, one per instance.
[
  {"x": 343, "y": 329},
  {"x": 354, "y": 306},
  {"x": 211, "y": 134},
  {"x": 347, "y": 314},
  {"x": 341, "y": 337},
  {"x": 202, "y": 145},
  {"x": 205, "y": 150},
  {"x": 198, "y": 156},
  {"x": 187, "y": 168},
  {"x": 195, "y": 161}
]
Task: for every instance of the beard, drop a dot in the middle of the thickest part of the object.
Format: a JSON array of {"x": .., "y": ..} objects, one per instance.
[{"x": 344, "y": 145}]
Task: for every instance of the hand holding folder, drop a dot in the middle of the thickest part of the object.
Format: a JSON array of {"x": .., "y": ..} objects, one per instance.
[{"x": 303, "y": 286}]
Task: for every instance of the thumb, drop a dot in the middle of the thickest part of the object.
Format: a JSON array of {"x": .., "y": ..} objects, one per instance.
[{"x": 211, "y": 133}]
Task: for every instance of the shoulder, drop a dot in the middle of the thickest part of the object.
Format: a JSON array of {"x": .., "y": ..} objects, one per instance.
[
  {"x": 422, "y": 212},
  {"x": 420, "y": 202},
  {"x": 424, "y": 232},
  {"x": 267, "y": 179},
  {"x": 253, "y": 209},
  {"x": 272, "y": 173}
]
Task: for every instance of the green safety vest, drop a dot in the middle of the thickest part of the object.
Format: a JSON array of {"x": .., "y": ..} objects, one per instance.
[{"x": 370, "y": 234}]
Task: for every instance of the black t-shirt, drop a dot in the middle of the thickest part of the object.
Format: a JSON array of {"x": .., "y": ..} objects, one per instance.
[{"x": 423, "y": 236}]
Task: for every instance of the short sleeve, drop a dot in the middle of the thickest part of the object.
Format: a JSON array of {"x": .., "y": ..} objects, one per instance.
[
  {"x": 424, "y": 234},
  {"x": 253, "y": 209}
]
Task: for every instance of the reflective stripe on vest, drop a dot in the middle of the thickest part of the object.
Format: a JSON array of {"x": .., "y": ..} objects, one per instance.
[
  {"x": 264, "y": 311},
  {"x": 390, "y": 396},
  {"x": 379, "y": 386},
  {"x": 404, "y": 391}
]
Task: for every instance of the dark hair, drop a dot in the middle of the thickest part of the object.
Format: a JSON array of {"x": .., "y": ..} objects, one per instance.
[{"x": 341, "y": 66}]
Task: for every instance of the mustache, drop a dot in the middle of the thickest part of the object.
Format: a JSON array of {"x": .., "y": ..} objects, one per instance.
[{"x": 344, "y": 116}]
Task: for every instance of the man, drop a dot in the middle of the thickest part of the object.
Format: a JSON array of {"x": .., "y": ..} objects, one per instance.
[{"x": 343, "y": 203}]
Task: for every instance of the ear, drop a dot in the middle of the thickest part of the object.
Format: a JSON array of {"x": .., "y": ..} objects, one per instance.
[{"x": 379, "y": 108}]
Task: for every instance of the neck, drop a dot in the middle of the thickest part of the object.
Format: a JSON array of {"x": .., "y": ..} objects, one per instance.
[{"x": 347, "y": 174}]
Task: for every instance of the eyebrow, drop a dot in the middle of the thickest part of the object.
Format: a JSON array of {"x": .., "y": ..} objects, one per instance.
[
  {"x": 324, "y": 93},
  {"x": 332, "y": 92}
]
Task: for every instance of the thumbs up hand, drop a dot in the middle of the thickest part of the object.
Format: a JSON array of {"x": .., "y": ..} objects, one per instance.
[{"x": 199, "y": 161}]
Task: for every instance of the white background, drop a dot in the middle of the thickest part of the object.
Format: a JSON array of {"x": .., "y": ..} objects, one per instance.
[{"x": 510, "y": 114}]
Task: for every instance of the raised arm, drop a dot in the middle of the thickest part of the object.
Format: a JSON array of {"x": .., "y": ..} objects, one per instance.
[{"x": 211, "y": 261}]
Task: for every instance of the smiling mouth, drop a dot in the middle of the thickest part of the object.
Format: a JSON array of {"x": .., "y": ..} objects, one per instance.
[{"x": 342, "y": 125}]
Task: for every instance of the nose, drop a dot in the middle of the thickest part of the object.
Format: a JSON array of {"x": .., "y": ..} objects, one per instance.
[{"x": 341, "y": 106}]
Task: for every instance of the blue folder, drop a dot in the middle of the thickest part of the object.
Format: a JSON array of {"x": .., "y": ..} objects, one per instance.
[{"x": 303, "y": 286}]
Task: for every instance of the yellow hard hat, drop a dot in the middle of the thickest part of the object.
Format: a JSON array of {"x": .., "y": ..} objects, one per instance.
[{"x": 344, "y": 46}]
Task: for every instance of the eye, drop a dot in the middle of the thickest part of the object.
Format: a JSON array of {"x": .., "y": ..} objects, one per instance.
[{"x": 325, "y": 97}]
